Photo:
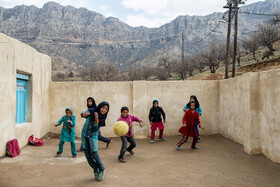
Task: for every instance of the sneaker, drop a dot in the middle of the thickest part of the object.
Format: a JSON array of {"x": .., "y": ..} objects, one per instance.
[
  {"x": 108, "y": 143},
  {"x": 122, "y": 160},
  {"x": 152, "y": 141},
  {"x": 131, "y": 152},
  {"x": 58, "y": 155},
  {"x": 178, "y": 148},
  {"x": 96, "y": 171},
  {"x": 195, "y": 147},
  {"x": 74, "y": 156},
  {"x": 162, "y": 138},
  {"x": 100, "y": 175}
]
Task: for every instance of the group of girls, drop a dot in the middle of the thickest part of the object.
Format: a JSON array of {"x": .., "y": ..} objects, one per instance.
[{"x": 96, "y": 117}]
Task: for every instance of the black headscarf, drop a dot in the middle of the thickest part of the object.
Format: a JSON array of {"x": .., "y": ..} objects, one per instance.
[
  {"x": 93, "y": 103},
  {"x": 101, "y": 117},
  {"x": 195, "y": 100}
]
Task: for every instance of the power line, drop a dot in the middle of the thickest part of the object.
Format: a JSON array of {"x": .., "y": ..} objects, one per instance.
[{"x": 259, "y": 14}]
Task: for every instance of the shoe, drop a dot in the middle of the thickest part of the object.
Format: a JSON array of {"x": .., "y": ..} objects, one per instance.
[
  {"x": 108, "y": 143},
  {"x": 122, "y": 160},
  {"x": 198, "y": 141},
  {"x": 162, "y": 139},
  {"x": 178, "y": 148},
  {"x": 131, "y": 152},
  {"x": 100, "y": 175},
  {"x": 74, "y": 156},
  {"x": 152, "y": 141},
  {"x": 96, "y": 173},
  {"x": 195, "y": 147},
  {"x": 58, "y": 155}
]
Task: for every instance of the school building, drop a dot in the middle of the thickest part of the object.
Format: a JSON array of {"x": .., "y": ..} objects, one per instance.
[{"x": 244, "y": 109}]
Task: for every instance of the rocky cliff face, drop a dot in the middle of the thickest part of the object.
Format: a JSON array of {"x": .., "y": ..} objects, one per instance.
[{"x": 78, "y": 37}]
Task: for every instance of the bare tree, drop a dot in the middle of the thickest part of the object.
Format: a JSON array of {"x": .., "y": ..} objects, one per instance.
[
  {"x": 200, "y": 62},
  {"x": 251, "y": 44},
  {"x": 214, "y": 56},
  {"x": 190, "y": 65},
  {"x": 159, "y": 73},
  {"x": 166, "y": 64},
  {"x": 267, "y": 36},
  {"x": 102, "y": 72},
  {"x": 146, "y": 73},
  {"x": 180, "y": 68}
]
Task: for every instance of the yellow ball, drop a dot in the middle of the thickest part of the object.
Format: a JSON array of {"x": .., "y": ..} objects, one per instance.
[{"x": 121, "y": 128}]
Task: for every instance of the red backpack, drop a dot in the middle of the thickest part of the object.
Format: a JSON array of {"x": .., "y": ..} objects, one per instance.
[
  {"x": 13, "y": 148},
  {"x": 35, "y": 141}
]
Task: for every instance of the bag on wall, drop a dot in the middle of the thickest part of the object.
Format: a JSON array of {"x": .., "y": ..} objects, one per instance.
[
  {"x": 13, "y": 148},
  {"x": 35, "y": 141}
]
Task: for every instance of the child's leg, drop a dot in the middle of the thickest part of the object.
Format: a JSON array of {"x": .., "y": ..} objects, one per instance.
[
  {"x": 60, "y": 149},
  {"x": 196, "y": 128},
  {"x": 123, "y": 148},
  {"x": 195, "y": 138},
  {"x": 97, "y": 159},
  {"x": 102, "y": 138},
  {"x": 132, "y": 143},
  {"x": 73, "y": 148},
  {"x": 90, "y": 160},
  {"x": 160, "y": 134},
  {"x": 153, "y": 134},
  {"x": 183, "y": 140}
]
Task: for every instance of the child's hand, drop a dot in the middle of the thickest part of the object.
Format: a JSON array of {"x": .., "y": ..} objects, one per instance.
[
  {"x": 151, "y": 123},
  {"x": 164, "y": 121},
  {"x": 141, "y": 124},
  {"x": 202, "y": 127},
  {"x": 185, "y": 124},
  {"x": 96, "y": 116},
  {"x": 56, "y": 125},
  {"x": 68, "y": 121}
]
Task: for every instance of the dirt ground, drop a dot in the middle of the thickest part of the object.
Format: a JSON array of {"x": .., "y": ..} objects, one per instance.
[{"x": 218, "y": 162}]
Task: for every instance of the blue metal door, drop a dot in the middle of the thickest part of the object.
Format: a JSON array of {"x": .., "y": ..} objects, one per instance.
[{"x": 21, "y": 97}]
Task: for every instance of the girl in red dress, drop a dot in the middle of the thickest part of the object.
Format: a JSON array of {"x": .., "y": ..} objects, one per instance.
[{"x": 188, "y": 128}]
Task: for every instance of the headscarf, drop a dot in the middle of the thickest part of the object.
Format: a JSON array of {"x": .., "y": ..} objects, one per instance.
[
  {"x": 93, "y": 103},
  {"x": 101, "y": 117},
  {"x": 156, "y": 109},
  {"x": 70, "y": 109},
  {"x": 195, "y": 100}
]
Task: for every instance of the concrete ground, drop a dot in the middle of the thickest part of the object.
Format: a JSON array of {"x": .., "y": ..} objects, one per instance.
[{"x": 218, "y": 162}]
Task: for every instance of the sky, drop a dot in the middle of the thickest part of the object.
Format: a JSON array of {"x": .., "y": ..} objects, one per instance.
[{"x": 149, "y": 13}]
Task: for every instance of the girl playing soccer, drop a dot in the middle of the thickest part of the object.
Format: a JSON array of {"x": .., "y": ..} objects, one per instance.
[
  {"x": 188, "y": 128},
  {"x": 95, "y": 118},
  {"x": 129, "y": 136},
  {"x": 67, "y": 132},
  {"x": 156, "y": 122},
  {"x": 198, "y": 109}
]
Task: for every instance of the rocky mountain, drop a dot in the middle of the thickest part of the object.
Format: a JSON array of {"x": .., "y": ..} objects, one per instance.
[{"x": 76, "y": 38}]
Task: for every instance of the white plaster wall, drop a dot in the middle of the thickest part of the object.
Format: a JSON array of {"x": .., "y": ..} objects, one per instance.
[{"x": 18, "y": 57}]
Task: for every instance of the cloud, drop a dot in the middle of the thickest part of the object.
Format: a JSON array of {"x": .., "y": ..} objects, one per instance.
[
  {"x": 156, "y": 11},
  {"x": 143, "y": 20}
]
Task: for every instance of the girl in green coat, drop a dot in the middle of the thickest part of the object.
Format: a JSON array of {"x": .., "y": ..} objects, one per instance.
[{"x": 67, "y": 132}]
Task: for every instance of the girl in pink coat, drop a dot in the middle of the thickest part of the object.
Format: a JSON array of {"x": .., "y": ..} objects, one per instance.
[{"x": 129, "y": 136}]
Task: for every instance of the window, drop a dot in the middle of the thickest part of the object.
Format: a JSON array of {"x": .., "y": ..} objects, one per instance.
[{"x": 21, "y": 98}]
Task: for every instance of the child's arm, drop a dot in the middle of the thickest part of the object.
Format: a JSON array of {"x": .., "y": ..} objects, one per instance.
[
  {"x": 135, "y": 118},
  {"x": 184, "y": 120},
  {"x": 85, "y": 114},
  {"x": 199, "y": 111},
  {"x": 163, "y": 115},
  {"x": 198, "y": 121},
  {"x": 150, "y": 116},
  {"x": 73, "y": 121},
  {"x": 59, "y": 122},
  {"x": 185, "y": 108}
]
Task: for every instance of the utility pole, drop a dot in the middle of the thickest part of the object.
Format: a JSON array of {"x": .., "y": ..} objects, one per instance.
[
  {"x": 228, "y": 39},
  {"x": 235, "y": 38},
  {"x": 183, "y": 66}
]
